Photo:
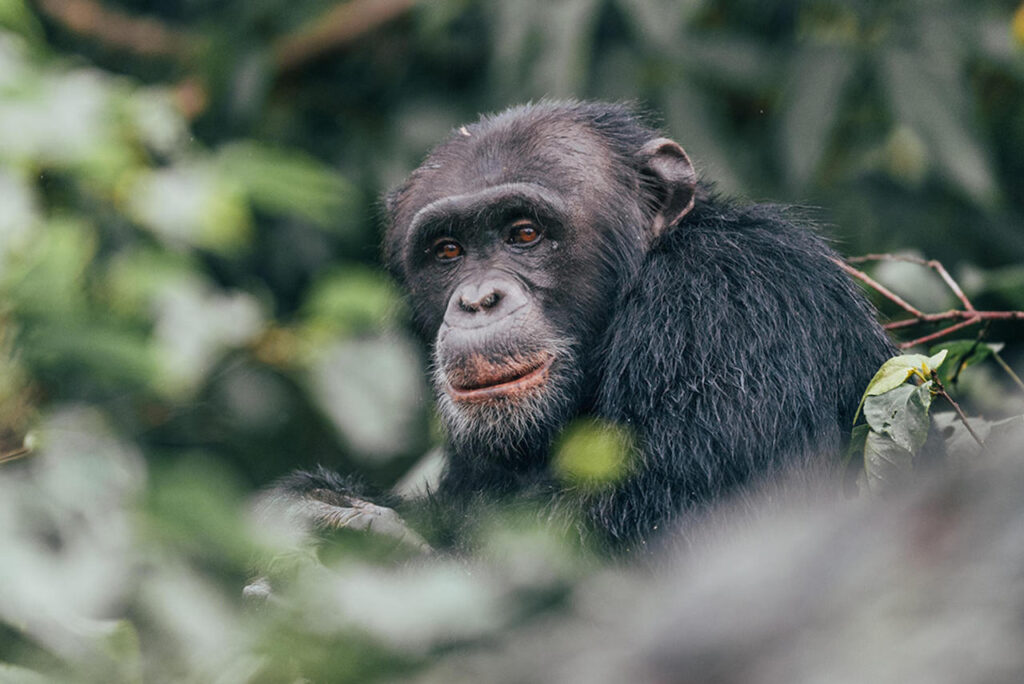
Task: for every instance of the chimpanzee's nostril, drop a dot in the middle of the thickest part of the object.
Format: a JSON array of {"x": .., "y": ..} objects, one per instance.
[{"x": 490, "y": 301}]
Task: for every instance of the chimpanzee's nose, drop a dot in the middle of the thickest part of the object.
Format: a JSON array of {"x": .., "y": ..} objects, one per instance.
[{"x": 484, "y": 301}]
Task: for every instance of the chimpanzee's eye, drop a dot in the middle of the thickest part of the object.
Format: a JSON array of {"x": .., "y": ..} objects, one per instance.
[
  {"x": 523, "y": 232},
  {"x": 447, "y": 249}
]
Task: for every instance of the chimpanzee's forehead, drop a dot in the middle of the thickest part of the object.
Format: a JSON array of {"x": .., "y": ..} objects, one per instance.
[{"x": 558, "y": 154}]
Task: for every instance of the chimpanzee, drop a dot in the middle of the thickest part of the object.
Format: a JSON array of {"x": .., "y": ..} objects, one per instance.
[{"x": 563, "y": 260}]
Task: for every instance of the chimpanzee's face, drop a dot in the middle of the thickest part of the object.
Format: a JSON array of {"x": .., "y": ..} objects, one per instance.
[{"x": 513, "y": 239}]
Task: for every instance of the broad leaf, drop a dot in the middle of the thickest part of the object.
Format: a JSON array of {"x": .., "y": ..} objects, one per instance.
[
  {"x": 902, "y": 414},
  {"x": 897, "y": 371},
  {"x": 887, "y": 465},
  {"x": 963, "y": 353},
  {"x": 817, "y": 78}
]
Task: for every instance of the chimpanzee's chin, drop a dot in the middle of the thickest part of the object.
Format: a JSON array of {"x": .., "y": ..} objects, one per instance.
[{"x": 519, "y": 411}]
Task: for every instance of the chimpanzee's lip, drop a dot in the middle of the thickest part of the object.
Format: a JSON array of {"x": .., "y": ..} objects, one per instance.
[{"x": 510, "y": 383}]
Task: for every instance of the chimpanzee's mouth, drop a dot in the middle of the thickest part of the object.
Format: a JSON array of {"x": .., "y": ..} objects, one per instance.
[{"x": 484, "y": 381}]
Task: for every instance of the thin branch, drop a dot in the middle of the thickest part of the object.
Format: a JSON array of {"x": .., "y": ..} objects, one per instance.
[
  {"x": 939, "y": 389},
  {"x": 966, "y": 317},
  {"x": 14, "y": 455},
  {"x": 955, "y": 314},
  {"x": 117, "y": 29},
  {"x": 881, "y": 289},
  {"x": 940, "y": 333},
  {"x": 978, "y": 339},
  {"x": 336, "y": 28},
  {"x": 1006, "y": 367},
  {"x": 933, "y": 264}
]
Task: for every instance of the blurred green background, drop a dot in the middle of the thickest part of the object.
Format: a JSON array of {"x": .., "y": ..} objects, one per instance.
[
  {"x": 189, "y": 190},
  {"x": 189, "y": 217}
]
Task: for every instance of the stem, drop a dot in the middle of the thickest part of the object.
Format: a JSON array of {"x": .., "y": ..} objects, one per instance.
[
  {"x": 1009, "y": 371},
  {"x": 941, "y": 390},
  {"x": 881, "y": 289},
  {"x": 941, "y": 333},
  {"x": 14, "y": 455}
]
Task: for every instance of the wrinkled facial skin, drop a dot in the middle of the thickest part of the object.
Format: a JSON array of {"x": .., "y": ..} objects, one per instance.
[{"x": 512, "y": 258}]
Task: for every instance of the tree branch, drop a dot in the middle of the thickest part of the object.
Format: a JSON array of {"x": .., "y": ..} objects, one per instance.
[
  {"x": 965, "y": 317},
  {"x": 335, "y": 28},
  {"x": 939, "y": 389},
  {"x": 140, "y": 35},
  {"x": 881, "y": 289}
]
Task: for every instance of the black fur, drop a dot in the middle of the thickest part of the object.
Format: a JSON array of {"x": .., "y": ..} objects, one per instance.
[{"x": 732, "y": 345}]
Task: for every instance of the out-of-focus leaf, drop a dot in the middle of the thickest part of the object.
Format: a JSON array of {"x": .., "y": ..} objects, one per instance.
[
  {"x": 905, "y": 156},
  {"x": 593, "y": 454},
  {"x": 123, "y": 357},
  {"x": 812, "y": 95},
  {"x": 660, "y": 22},
  {"x": 963, "y": 353},
  {"x": 194, "y": 325},
  {"x": 351, "y": 300},
  {"x": 372, "y": 390},
  {"x": 196, "y": 506},
  {"x": 289, "y": 182},
  {"x": 732, "y": 59},
  {"x": 887, "y": 465},
  {"x": 190, "y": 204},
  {"x": 1000, "y": 436},
  {"x": 689, "y": 110},
  {"x": 16, "y": 16},
  {"x": 427, "y": 606},
  {"x": 542, "y": 48},
  {"x": 48, "y": 278},
  {"x": 157, "y": 120},
  {"x": 66, "y": 534},
  {"x": 63, "y": 119},
  {"x": 134, "y": 278},
  {"x": 933, "y": 103},
  {"x": 855, "y": 449},
  {"x": 19, "y": 217}
]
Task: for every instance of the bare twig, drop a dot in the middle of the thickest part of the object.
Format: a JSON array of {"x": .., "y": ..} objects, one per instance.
[
  {"x": 1009, "y": 371},
  {"x": 964, "y": 317},
  {"x": 933, "y": 264},
  {"x": 337, "y": 27},
  {"x": 140, "y": 35},
  {"x": 938, "y": 334},
  {"x": 882, "y": 290},
  {"x": 941, "y": 390},
  {"x": 14, "y": 455}
]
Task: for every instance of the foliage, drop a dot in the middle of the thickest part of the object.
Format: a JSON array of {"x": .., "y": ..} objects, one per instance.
[{"x": 191, "y": 303}]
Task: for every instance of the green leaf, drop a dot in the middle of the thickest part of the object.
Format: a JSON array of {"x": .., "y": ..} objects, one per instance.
[
  {"x": 897, "y": 371},
  {"x": 887, "y": 465},
  {"x": 288, "y": 182},
  {"x": 350, "y": 300},
  {"x": 902, "y": 414},
  {"x": 963, "y": 353},
  {"x": 593, "y": 454},
  {"x": 818, "y": 76},
  {"x": 934, "y": 103},
  {"x": 855, "y": 449},
  {"x": 16, "y": 16}
]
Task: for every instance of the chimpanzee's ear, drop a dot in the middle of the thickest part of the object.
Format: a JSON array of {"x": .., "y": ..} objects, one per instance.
[{"x": 673, "y": 179}]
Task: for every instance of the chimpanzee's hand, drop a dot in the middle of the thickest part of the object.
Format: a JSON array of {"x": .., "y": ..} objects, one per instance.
[{"x": 315, "y": 506}]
